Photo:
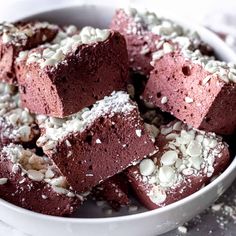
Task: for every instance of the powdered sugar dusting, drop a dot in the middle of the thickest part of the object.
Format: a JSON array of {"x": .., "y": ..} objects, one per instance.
[{"x": 56, "y": 129}]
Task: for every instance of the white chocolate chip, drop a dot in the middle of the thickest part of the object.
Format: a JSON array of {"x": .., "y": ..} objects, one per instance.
[
  {"x": 133, "y": 208},
  {"x": 153, "y": 131},
  {"x": 71, "y": 29},
  {"x": 22, "y": 55},
  {"x": 182, "y": 229},
  {"x": 59, "y": 181},
  {"x": 146, "y": 167},
  {"x": 167, "y": 47},
  {"x": 98, "y": 141},
  {"x": 196, "y": 162},
  {"x": 157, "y": 195},
  {"x": 70, "y": 194},
  {"x": 166, "y": 174},
  {"x": 67, "y": 42},
  {"x": 169, "y": 158},
  {"x": 171, "y": 136},
  {"x": 164, "y": 100},
  {"x": 194, "y": 148},
  {"x": 138, "y": 132},
  {"x": 44, "y": 196},
  {"x": 144, "y": 50},
  {"x": 3, "y": 181},
  {"x": 206, "y": 79},
  {"x": 188, "y": 171},
  {"x": 177, "y": 126},
  {"x": 157, "y": 55},
  {"x": 35, "y": 175},
  {"x": 188, "y": 100},
  {"x": 166, "y": 130},
  {"x": 217, "y": 207},
  {"x": 6, "y": 38},
  {"x": 49, "y": 174}
]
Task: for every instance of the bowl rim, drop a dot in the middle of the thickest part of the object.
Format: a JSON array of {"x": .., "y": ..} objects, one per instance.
[{"x": 148, "y": 213}]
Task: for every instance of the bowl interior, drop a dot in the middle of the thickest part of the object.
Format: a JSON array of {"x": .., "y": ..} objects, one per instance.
[{"x": 100, "y": 16}]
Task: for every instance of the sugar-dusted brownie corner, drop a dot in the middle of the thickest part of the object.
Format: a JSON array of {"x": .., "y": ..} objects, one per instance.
[
  {"x": 115, "y": 191},
  {"x": 33, "y": 182},
  {"x": 97, "y": 143},
  {"x": 187, "y": 160},
  {"x": 149, "y": 36},
  {"x": 17, "y": 37},
  {"x": 196, "y": 89},
  {"x": 61, "y": 78},
  {"x": 17, "y": 125}
]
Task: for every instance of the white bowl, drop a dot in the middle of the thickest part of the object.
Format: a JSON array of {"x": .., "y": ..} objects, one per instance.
[{"x": 146, "y": 223}]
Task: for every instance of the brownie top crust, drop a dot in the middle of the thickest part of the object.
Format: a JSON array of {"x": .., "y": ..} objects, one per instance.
[
  {"x": 173, "y": 38},
  {"x": 185, "y": 152},
  {"x": 55, "y": 129},
  {"x": 36, "y": 168},
  {"x": 64, "y": 44},
  {"x": 18, "y": 34}
]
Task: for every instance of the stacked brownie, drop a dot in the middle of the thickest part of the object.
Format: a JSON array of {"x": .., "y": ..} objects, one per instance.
[
  {"x": 34, "y": 182},
  {"x": 76, "y": 122},
  {"x": 85, "y": 126},
  {"x": 184, "y": 79}
]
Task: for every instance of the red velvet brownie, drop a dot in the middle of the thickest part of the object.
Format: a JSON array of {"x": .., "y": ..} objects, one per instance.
[
  {"x": 18, "y": 37},
  {"x": 97, "y": 143},
  {"x": 196, "y": 89},
  {"x": 17, "y": 125},
  {"x": 187, "y": 160},
  {"x": 61, "y": 78},
  {"x": 149, "y": 36},
  {"x": 33, "y": 182},
  {"x": 114, "y": 191}
]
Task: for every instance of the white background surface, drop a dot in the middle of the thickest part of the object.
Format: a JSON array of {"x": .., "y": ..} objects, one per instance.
[{"x": 219, "y": 15}]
